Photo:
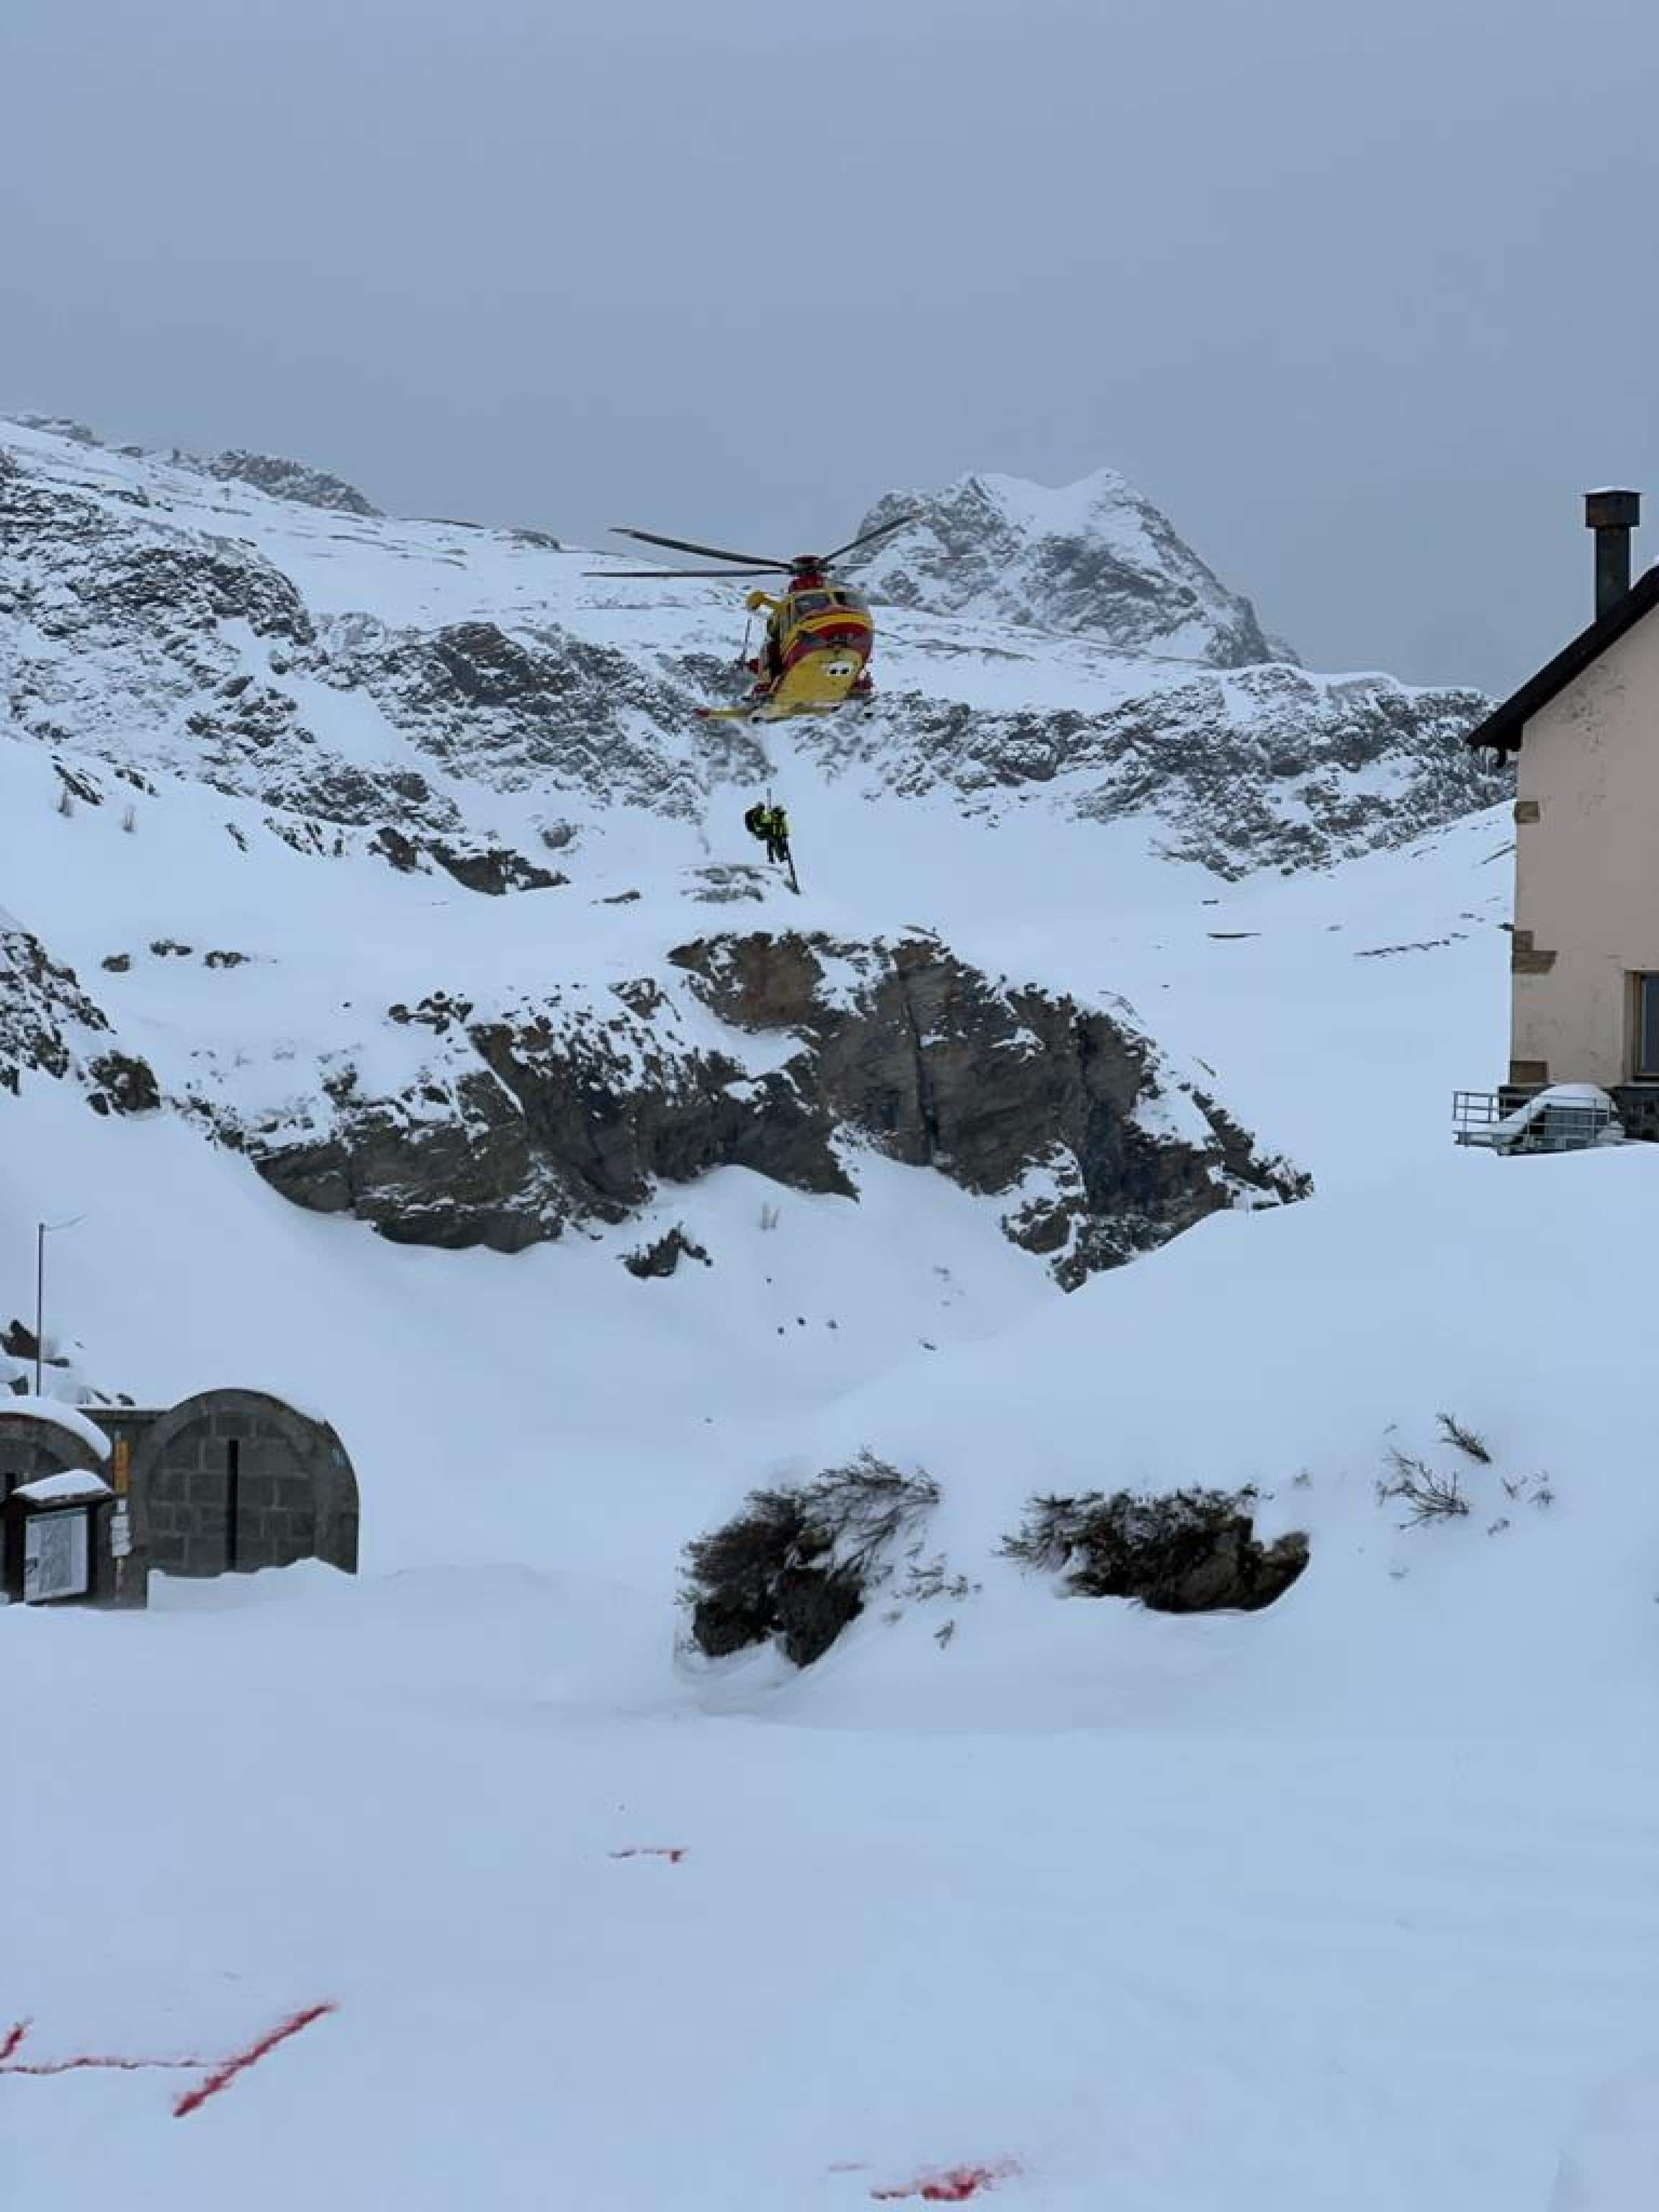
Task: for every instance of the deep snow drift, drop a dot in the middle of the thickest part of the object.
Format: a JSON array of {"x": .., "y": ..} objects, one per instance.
[{"x": 1353, "y": 1901}]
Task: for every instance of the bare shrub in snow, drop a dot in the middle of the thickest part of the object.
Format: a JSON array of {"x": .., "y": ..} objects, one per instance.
[
  {"x": 1426, "y": 1493},
  {"x": 1192, "y": 1551},
  {"x": 799, "y": 1562},
  {"x": 130, "y": 819},
  {"x": 926, "y": 1579},
  {"x": 1471, "y": 1445},
  {"x": 65, "y": 801},
  {"x": 769, "y": 1217}
]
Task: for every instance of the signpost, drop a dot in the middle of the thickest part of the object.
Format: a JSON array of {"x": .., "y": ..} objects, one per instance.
[
  {"x": 120, "y": 1532},
  {"x": 55, "y": 1555}
]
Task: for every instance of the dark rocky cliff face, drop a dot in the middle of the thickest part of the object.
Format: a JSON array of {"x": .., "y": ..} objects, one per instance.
[{"x": 527, "y": 1120}]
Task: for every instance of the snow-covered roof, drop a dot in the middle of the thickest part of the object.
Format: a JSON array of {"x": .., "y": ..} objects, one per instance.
[
  {"x": 61, "y": 1416},
  {"x": 74, "y": 1487}
]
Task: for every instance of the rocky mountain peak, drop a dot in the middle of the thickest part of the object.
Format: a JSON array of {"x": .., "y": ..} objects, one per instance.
[{"x": 1095, "y": 558}]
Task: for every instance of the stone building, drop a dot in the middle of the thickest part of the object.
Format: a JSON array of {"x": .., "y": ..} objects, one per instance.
[
  {"x": 1584, "y": 735},
  {"x": 226, "y": 1482}
]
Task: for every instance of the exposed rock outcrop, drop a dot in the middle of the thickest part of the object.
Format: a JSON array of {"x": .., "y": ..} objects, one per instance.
[
  {"x": 49, "y": 1026},
  {"x": 1066, "y": 1110},
  {"x": 1262, "y": 767},
  {"x": 514, "y": 1122},
  {"x": 293, "y": 480},
  {"x": 655, "y": 1261}
]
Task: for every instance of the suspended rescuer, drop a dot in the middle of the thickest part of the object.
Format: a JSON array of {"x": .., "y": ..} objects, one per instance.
[{"x": 771, "y": 825}]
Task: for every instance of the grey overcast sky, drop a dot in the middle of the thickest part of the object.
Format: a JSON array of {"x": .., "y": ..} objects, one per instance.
[{"x": 1363, "y": 293}]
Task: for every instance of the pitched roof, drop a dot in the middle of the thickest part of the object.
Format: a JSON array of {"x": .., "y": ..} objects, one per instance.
[{"x": 1501, "y": 731}]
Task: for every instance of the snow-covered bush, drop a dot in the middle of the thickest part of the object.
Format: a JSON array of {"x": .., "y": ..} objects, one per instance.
[
  {"x": 1192, "y": 1551},
  {"x": 799, "y": 1562}
]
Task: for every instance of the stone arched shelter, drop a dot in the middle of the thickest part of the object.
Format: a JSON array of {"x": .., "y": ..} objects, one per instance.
[
  {"x": 233, "y": 1480},
  {"x": 34, "y": 1442},
  {"x": 226, "y": 1482}
]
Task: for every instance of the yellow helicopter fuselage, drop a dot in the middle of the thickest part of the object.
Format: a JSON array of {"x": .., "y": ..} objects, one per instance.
[{"x": 820, "y": 640}]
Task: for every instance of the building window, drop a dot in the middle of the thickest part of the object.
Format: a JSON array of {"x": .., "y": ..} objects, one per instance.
[{"x": 1646, "y": 1069}]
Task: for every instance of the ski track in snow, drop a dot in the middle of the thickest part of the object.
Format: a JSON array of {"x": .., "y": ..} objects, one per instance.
[{"x": 1354, "y": 1902}]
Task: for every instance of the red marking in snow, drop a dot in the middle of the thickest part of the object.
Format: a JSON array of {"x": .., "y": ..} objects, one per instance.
[
  {"x": 222, "y": 2076},
  {"x": 673, "y": 1853},
  {"x": 10, "y": 2063},
  {"x": 222, "y": 2072},
  {"x": 954, "y": 2185}
]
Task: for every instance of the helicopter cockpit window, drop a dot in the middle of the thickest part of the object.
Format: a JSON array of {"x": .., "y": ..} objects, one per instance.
[
  {"x": 855, "y": 600},
  {"x": 813, "y": 603}
]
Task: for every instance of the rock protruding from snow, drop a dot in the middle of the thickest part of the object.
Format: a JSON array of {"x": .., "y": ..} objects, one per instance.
[
  {"x": 46, "y": 1020},
  {"x": 49, "y": 1026},
  {"x": 290, "y": 480},
  {"x": 506, "y": 1125},
  {"x": 1096, "y": 558},
  {"x": 1256, "y": 768},
  {"x": 1068, "y": 1114}
]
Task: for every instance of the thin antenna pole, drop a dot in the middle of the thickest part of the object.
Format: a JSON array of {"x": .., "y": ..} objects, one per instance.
[{"x": 42, "y": 1229}]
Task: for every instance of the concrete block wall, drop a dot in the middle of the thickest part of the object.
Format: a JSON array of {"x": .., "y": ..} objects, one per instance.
[
  {"x": 233, "y": 1480},
  {"x": 284, "y": 1476}
]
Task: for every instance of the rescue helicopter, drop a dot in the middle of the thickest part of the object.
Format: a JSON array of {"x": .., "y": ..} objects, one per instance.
[{"x": 820, "y": 633}]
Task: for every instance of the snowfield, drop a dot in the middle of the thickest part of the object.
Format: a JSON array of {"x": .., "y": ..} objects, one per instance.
[{"x": 463, "y": 1883}]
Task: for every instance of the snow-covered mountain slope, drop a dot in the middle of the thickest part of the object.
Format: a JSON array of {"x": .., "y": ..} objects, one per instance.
[
  {"x": 331, "y": 725},
  {"x": 1016, "y": 1895},
  {"x": 474, "y": 690},
  {"x": 1095, "y": 557},
  {"x": 1350, "y": 1901}
]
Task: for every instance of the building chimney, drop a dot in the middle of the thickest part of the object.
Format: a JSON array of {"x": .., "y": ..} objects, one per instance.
[{"x": 1611, "y": 515}]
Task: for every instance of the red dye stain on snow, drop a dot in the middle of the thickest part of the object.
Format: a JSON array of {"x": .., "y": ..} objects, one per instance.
[
  {"x": 955, "y": 2185},
  {"x": 222, "y": 2076},
  {"x": 673, "y": 1853},
  {"x": 10, "y": 2063},
  {"x": 221, "y": 2073}
]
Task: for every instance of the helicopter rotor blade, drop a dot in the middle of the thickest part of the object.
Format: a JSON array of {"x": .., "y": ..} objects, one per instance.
[
  {"x": 881, "y": 530},
  {"x": 656, "y": 575},
  {"x": 686, "y": 545}
]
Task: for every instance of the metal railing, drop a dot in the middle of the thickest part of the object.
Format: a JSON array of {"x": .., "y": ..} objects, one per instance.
[{"x": 1545, "y": 1122}]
